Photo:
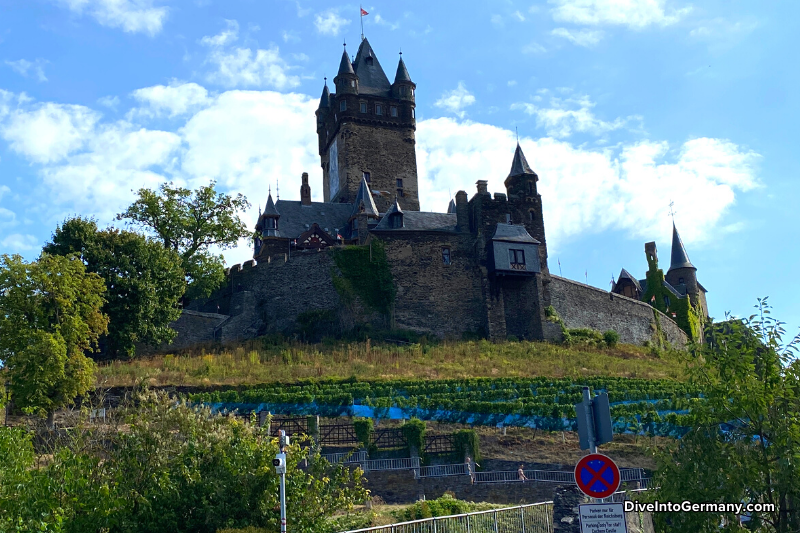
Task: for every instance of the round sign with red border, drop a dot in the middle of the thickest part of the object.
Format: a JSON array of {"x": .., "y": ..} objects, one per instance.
[{"x": 597, "y": 476}]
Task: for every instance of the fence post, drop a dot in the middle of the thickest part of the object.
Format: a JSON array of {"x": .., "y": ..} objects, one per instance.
[
  {"x": 468, "y": 531},
  {"x": 434, "y": 525},
  {"x": 522, "y": 518},
  {"x": 496, "y": 526}
]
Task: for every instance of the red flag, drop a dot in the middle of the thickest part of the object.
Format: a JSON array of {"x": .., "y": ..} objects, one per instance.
[{"x": 363, "y": 12}]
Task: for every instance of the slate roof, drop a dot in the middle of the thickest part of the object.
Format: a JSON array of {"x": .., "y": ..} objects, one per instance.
[
  {"x": 345, "y": 67},
  {"x": 420, "y": 221},
  {"x": 371, "y": 78},
  {"x": 364, "y": 196},
  {"x": 270, "y": 208},
  {"x": 513, "y": 233},
  {"x": 402, "y": 72},
  {"x": 520, "y": 165},
  {"x": 296, "y": 218},
  {"x": 325, "y": 99},
  {"x": 624, "y": 274},
  {"x": 679, "y": 259}
]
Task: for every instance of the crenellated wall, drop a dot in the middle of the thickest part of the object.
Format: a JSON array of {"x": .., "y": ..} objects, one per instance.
[{"x": 583, "y": 306}]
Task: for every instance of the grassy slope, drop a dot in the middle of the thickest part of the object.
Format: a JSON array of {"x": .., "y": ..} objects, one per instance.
[{"x": 257, "y": 361}]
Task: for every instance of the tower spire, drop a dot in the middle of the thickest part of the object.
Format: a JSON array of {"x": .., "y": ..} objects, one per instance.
[{"x": 679, "y": 257}]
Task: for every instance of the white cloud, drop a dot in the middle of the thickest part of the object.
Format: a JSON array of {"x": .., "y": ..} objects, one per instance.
[
  {"x": 110, "y": 102},
  {"x": 329, "y": 22},
  {"x": 722, "y": 34},
  {"x": 170, "y": 100},
  {"x": 569, "y": 115},
  {"x": 132, "y": 16},
  {"x": 635, "y": 14},
  {"x": 16, "y": 243},
  {"x": 49, "y": 132},
  {"x": 533, "y": 48},
  {"x": 519, "y": 16},
  {"x": 383, "y": 22},
  {"x": 456, "y": 100},
  {"x": 244, "y": 67},
  {"x": 289, "y": 36},
  {"x": 225, "y": 37},
  {"x": 511, "y": 83},
  {"x": 8, "y": 218},
  {"x": 26, "y": 68},
  {"x": 3, "y": 191},
  {"x": 587, "y": 38},
  {"x": 589, "y": 191},
  {"x": 497, "y": 20}
]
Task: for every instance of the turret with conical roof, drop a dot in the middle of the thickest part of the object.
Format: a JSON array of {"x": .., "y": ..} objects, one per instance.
[
  {"x": 346, "y": 80},
  {"x": 403, "y": 88},
  {"x": 268, "y": 221},
  {"x": 682, "y": 274}
]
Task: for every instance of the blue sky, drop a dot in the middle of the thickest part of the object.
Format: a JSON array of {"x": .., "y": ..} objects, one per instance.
[{"x": 621, "y": 106}]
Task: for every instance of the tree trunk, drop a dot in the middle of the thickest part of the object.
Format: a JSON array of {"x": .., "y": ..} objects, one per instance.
[{"x": 51, "y": 423}]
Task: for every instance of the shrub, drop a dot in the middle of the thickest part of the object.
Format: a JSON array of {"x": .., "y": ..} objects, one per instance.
[
  {"x": 467, "y": 442},
  {"x": 414, "y": 432},
  {"x": 363, "y": 428},
  {"x": 611, "y": 337}
]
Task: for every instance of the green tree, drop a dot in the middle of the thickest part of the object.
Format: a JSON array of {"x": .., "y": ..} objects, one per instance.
[
  {"x": 190, "y": 223},
  {"x": 744, "y": 445},
  {"x": 144, "y": 281},
  {"x": 50, "y": 316},
  {"x": 175, "y": 467}
]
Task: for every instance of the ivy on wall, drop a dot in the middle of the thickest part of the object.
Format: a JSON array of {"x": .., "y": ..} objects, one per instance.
[
  {"x": 657, "y": 295},
  {"x": 366, "y": 274}
]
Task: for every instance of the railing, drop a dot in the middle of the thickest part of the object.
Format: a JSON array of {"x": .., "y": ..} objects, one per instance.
[
  {"x": 532, "y": 518},
  {"x": 459, "y": 469},
  {"x": 347, "y": 457},
  {"x": 549, "y": 476},
  {"x": 390, "y": 464}
]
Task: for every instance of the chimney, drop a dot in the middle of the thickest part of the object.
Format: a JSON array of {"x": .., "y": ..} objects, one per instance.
[
  {"x": 462, "y": 211},
  {"x": 483, "y": 186},
  {"x": 305, "y": 191}
]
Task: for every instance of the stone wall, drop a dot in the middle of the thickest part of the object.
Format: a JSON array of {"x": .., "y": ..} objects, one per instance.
[
  {"x": 582, "y": 306},
  {"x": 192, "y": 327},
  {"x": 433, "y": 297}
]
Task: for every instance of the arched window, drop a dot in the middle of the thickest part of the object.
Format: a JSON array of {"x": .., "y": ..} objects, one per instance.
[{"x": 531, "y": 215}]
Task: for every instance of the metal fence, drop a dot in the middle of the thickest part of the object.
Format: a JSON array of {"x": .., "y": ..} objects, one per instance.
[
  {"x": 549, "y": 476},
  {"x": 390, "y": 464},
  {"x": 459, "y": 469},
  {"x": 347, "y": 457},
  {"x": 532, "y": 518}
]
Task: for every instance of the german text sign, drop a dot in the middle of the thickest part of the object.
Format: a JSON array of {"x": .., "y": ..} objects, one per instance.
[
  {"x": 597, "y": 476},
  {"x": 602, "y": 518}
]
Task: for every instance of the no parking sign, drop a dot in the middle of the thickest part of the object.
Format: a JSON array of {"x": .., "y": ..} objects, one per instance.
[{"x": 597, "y": 476}]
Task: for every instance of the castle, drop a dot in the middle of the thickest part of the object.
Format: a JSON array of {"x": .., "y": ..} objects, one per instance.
[{"x": 480, "y": 267}]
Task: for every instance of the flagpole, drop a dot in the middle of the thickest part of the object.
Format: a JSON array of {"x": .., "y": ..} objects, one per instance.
[{"x": 361, "y": 14}]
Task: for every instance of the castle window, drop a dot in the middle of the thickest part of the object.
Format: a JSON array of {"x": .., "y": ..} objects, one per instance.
[
  {"x": 399, "y": 183},
  {"x": 530, "y": 214},
  {"x": 413, "y": 114},
  {"x": 352, "y": 83},
  {"x": 412, "y": 91},
  {"x": 517, "y": 259},
  {"x": 530, "y": 188},
  {"x": 393, "y": 110},
  {"x": 272, "y": 223},
  {"x": 446, "y": 256},
  {"x": 403, "y": 90},
  {"x": 400, "y": 193},
  {"x": 680, "y": 280},
  {"x": 363, "y": 107},
  {"x": 343, "y": 105},
  {"x": 366, "y": 177},
  {"x": 378, "y": 109},
  {"x": 396, "y": 220}
]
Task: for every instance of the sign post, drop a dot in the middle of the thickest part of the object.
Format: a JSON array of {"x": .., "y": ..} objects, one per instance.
[
  {"x": 594, "y": 421},
  {"x": 597, "y": 476}
]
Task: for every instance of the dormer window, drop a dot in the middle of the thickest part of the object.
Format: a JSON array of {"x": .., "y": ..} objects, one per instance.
[
  {"x": 517, "y": 259},
  {"x": 393, "y": 110},
  {"x": 363, "y": 107},
  {"x": 378, "y": 109},
  {"x": 396, "y": 220},
  {"x": 343, "y": 105},
  {"x": 272, "y": 223}
]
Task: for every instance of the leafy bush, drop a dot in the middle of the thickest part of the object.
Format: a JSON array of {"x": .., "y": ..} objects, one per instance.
[
  {"x": 467, "y": 443},
  {"x": 414, "y": 432},
  {"x": 364, "y": 428},
  {"x": 174, "y": 468},
  {"x": 611, "y": 337},
  {"x": 443, "y": 506}
]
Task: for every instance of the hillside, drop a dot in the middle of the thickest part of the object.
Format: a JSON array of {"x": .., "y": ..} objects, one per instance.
[{"x": 266, "y": 361}]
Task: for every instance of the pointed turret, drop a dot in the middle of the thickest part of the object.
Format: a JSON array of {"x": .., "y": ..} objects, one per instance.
[
  {"x": 269, "y": 219},
  {"x": 325, "y": 99},
  {"x": 346, "y": 81},
  {"x": 679, "y": 259},
  {"x": 402, "y": 72},
  {"x": 270, "y": 209},
  {"x": 452, "y": 207},
  {"x": 345, "y": 67},
  {"x": 520, "y": 165},
  {"x": 364, "y": 202}
]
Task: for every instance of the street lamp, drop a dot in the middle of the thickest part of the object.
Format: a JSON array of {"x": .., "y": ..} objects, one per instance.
[{"x": 280, "y": 468}]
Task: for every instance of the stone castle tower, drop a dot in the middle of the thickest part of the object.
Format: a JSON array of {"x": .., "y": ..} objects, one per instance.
[{"x": 366, "y": 132}]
